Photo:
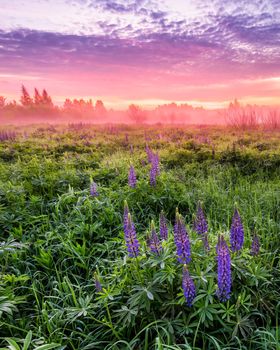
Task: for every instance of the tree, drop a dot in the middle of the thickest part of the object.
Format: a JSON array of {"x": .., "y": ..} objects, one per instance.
[
  {"x": 46, "y": 99},
  {"x": 37, "y": 97},
  {"x": 25, "y": 99},
  {"x": 137, "y": 114},
  {"x": 100, "y": 108}
]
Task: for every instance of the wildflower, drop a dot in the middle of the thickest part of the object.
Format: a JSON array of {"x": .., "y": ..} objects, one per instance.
[
  {"x": 201, "y": 227},
  {"x": 188, "y": 286},
  {"x": 182, "y": 241},
  {"x": 98, "y": 286},
  {"x": 255, "y": 247},
  {"x": 163, "y": 230},
  {"x": 236, "y": 232},
  {"x": 155, "y": 163},
  {"x": 200, "y": 222},
  {"x": 132, "y": 177},
  {"x": 132, "y": 242},
  {"x": 153, "y": 176},
  {"x": 149, "y": 153},
  {"x": 224, "y": 270},
  {"x": 93, "y": 189},
  {"x": 154, "y": 242},
  {"x": 155, "y": 170}
]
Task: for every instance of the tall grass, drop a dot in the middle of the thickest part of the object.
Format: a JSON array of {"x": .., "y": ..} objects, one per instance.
[{"x": 55, "y": 237}]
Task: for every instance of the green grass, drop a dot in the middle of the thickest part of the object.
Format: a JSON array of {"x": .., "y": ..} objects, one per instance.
[{"x": 55, "y": 236}]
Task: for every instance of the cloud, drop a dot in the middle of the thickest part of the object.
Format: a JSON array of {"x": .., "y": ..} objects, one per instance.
[{"x": 147, "y": 45}]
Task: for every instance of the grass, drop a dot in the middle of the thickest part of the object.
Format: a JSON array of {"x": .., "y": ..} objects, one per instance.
[{"x": 55, "y": 237}]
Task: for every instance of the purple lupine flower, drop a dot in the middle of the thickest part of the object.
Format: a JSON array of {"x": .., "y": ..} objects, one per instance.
[
  {"x": 224, "y": 270},
  {"x": 93, "y": 190},
  {"x": 236, "y": 232},
  {"x": 155, "y": 170},
  {"x": 149, "y": 153},
  {"x": 255, "y": 247},
  {"x": 188, "y": 286},
  {"x": 155, "y": 163},
  {"x": 131, "y": 240},
  {"x": 154, "y": 242},
  {"x": 132, "y": 177},
  {"x": 201, "y": 227},
  {"x": 153, "y": 176},
  {"x": 200, "y": 223},
  {"x": 163, "y": 230},
  {"x": 97, "y": 283},
  {"x": 182, "y": 241}
]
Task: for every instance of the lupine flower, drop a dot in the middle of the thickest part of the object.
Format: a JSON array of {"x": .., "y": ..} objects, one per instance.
[
  {"x": 155, "y": 170},
  {"x": 255, "y": 247},
  {"x": 154, "y": 242},
  {"x": 153, "y": 176},
  {"x": 188, "y": 286},
  {"x": 98, "y": 286},
  {"x": 132, "y": 177},
  {"x": 131, "y": 240},
  {"x": 182, "y": 241},
  {"x": 201, "y": 227},
  {"x": 93, "y": 189},
  {"x": 200, "y": 222},
  {"x": 155, "y": 163},
  {"x": 236, "y": 232},
  {"x": 224, "y": 270},
  {"x": 163, "y": 230},
  {"x": 149, "y": 154}
]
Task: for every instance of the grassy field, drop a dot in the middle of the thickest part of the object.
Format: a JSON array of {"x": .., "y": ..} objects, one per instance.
[{"x": 66, "y": 280}]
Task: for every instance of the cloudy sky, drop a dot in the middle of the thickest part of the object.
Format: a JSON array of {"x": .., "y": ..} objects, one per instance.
[{"x": 205, "y": 52}]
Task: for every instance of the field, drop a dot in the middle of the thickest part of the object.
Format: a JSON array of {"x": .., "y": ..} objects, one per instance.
[{"x": 73, "y": 275}]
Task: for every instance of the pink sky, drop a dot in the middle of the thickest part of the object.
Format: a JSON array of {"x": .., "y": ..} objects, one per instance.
[{"x": 147, "y": 52}]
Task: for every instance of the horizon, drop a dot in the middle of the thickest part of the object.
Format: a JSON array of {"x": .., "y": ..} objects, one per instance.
[{"x": 143, "y": 52}]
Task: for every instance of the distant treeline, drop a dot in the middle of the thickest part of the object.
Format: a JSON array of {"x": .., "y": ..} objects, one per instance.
[{"x": 39, "y": 107}]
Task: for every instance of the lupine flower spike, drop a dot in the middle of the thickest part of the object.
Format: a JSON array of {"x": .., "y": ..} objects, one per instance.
[
  {"x": 201, "y": 226},
  {"x": 163, "y": 230},
  {"x": 236, "y": 232},
  {"x": 93, "y": 189},
  {"x": 155, "y": 163},
  {"x": 153, "y": 175},
  {"x": 149, "y": 153},
  {"x": 155, "y": 169},
  {"x": 200, "y": 223},
  {"x": 224, "y": 270},
  {"x": 154, "y": 242},
  {"x": 132, "y": 177},
  {"x": 188, "y": 286},
  {"x": 255, "y": 247},
  {"x": 182, "y": 241},
  {"x": 98, "y": 286},
  {"x": 131, "y": 240}
]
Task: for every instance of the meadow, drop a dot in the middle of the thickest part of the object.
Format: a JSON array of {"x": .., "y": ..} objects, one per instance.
[{"x": 80, "y": 269}]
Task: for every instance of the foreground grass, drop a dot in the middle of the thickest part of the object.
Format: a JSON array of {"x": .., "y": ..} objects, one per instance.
[{"x": 55, "y": 236}]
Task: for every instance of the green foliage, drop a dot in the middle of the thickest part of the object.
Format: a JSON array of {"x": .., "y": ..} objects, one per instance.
[{"x": 55, "y": 237}]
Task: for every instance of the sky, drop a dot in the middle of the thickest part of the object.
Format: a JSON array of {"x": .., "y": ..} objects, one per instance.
[{"x": 202, "y": 52}]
